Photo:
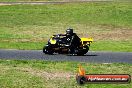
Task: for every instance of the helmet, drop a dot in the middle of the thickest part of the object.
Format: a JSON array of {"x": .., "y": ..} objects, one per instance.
[{"x": 69, "y": 31}]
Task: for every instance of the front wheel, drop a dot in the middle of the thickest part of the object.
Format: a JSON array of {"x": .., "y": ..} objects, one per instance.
[{"x": 48, "y": 50}]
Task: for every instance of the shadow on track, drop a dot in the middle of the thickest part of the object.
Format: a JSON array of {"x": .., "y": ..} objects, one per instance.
[
  {"x": 83, "y": 55},
  {"x": 71, "y": 55}
]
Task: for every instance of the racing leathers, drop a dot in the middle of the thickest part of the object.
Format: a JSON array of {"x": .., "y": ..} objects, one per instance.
[{"x": 73, "y": 41}]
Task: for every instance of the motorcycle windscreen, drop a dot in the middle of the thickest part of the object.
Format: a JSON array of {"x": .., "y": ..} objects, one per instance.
[{"x": 52, "y": 41}]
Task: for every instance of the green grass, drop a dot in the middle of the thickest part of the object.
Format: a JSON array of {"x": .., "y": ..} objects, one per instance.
[
  {"x": 116, "y": 14},
  {"x": 26, "y": 0},
  {"x": 52, "y": 74},
  {"x": 123, "y": 46},
  {"x": 22, "y": 45},
  {"x": 49, "y": 0},
  {"x": 29, "y": 26}
]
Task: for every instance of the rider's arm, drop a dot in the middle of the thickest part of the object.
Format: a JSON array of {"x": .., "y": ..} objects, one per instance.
[{"x": 62, "y": 34}]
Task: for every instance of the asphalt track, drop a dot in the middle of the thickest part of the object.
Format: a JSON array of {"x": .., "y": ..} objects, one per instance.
[{"x": 92, "y": 56}]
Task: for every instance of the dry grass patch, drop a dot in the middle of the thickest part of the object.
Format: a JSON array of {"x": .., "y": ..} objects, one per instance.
[
  {"x": 117, "y": 35},
  {"x": 43, "y": 33},
  {"x": 101, "y": 32},
  {"x": 3, "y": 4},
  {"x": 45, "y": 74},
  {"x": 3, "y": 69}
]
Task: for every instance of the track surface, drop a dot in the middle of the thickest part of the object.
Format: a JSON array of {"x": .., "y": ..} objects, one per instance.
[{"x": 95, "y": 57}]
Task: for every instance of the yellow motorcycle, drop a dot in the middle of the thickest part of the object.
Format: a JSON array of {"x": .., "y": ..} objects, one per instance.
[{"x": 58, "y": 44}]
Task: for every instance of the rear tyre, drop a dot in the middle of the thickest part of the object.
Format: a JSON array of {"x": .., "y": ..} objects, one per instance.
[{"x": 84, "y": 51}]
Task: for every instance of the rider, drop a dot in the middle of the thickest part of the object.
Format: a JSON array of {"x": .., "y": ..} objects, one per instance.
[{"x": 72, "y": 39}]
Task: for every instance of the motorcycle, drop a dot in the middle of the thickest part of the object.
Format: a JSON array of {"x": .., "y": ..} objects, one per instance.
[{"x": 58, "y": 44}]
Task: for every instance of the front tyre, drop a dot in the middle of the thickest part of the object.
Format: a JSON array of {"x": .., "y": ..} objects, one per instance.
[{"x": 48, "y": 50}]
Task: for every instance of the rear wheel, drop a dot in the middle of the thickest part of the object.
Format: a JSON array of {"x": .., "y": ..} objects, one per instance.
[
  {"x": 86, "y": 49},
  {"x": 48, "y": 50}
]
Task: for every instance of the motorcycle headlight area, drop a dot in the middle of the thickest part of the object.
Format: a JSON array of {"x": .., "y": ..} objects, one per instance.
[{"x": 52, "y": 41}]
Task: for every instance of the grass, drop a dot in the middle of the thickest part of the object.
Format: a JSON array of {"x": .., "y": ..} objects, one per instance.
[
  {"x": 122, "y": 46},
  {"x": 22, "y": 45},
  {"x": 52, "y": 74},
  {"x": 29, "y": 26},
  {"x": 95, "y": 46},
  {"x": 49, "y": 0},
  {"x": 26, "y": 0}
]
